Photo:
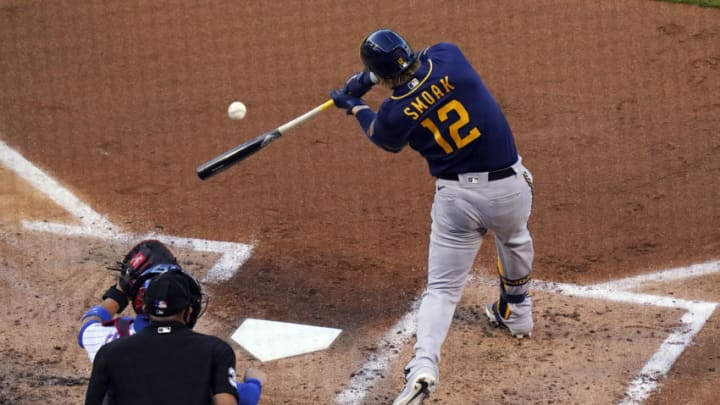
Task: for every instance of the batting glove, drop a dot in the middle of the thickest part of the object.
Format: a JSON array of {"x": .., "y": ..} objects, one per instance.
[
  {"x": 345, "y": 101},
  {"x": 359, "y": 84}
]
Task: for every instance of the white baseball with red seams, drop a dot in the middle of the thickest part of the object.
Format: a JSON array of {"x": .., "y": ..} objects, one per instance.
[{"x": 237, "y": 110}]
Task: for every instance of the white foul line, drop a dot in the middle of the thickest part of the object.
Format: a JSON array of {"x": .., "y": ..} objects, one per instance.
[
  {"x": 644, "y": 383},
  {"x": 94, "y": 225}
]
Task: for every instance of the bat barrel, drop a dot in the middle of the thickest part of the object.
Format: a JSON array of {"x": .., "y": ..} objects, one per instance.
[
  {"x": 240, "y": 152},
  {"x": 234, "y": 155}
]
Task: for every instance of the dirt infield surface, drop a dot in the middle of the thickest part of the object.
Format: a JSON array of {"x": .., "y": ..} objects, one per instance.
[{"x": 615, "y": 109}]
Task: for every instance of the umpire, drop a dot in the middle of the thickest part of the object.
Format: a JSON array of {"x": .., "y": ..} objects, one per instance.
[{"x": 167, "y": 362}]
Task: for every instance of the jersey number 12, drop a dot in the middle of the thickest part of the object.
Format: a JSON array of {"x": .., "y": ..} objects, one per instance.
[{"x": 463, "y": 118}]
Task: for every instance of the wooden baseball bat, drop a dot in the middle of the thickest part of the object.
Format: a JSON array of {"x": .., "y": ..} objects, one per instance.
[{"x": 240, "y": 152}]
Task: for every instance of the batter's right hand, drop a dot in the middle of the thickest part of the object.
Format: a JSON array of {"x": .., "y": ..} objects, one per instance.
[{"x": 345, "y": 101}]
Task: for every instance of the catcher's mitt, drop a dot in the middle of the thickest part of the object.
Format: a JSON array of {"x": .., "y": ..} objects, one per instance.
[{"x": 140, "y": 265}]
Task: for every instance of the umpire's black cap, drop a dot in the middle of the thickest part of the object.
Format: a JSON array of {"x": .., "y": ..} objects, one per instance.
[{"x": 168, "y": 294}]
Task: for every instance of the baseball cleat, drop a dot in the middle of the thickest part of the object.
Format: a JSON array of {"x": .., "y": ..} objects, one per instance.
[
  {"x": 418, "y": 386},
  {"x": 510, "y": 316}
]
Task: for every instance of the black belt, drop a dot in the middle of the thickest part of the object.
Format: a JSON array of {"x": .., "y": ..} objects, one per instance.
[{"x": 492, "y": 176}]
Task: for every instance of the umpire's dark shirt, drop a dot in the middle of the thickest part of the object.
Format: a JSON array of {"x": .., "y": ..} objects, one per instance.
[{"x": 165, "y": 363}]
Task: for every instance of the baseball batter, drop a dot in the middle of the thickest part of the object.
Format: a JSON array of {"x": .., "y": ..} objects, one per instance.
[{"x": 440, "y": 107}]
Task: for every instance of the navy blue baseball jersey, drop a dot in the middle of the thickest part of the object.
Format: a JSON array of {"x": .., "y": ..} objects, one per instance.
[{"x": 448, "y": 115}]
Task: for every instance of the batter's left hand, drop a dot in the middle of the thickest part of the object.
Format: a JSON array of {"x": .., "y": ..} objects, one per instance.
[{"x": 345, "y": 101}]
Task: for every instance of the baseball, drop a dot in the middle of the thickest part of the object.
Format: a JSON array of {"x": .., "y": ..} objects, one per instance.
[{"x": 237, "y": 110}]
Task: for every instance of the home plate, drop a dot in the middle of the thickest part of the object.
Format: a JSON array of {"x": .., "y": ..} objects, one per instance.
[{"x": 271, "y": 340}]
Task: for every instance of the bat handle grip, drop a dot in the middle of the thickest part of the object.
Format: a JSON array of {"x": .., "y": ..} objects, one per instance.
[{"x": 299, "y": 120}]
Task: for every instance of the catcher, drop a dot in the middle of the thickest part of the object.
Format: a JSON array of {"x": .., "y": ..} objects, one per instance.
[{"x": 102, "y": 323}]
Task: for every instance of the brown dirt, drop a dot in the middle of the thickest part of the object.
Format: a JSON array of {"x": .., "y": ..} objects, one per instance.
[{"x": 615, "y": 109}]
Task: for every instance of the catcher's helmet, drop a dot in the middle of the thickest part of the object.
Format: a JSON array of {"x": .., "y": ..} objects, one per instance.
[
  {"x": 385, "y": 53},
  {"x": 144, "y": 261}
]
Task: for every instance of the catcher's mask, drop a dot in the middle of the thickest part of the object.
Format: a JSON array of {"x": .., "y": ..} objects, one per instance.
[
  {"x": 172, "y": 292},
  {"x": 385, "y": 53}
]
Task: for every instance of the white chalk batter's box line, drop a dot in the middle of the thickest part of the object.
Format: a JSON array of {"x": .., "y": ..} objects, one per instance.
[
  {"x": 643, "y": 384},
  {"x": 233, "y": 255},
  {"x": 94, "y": 225}
]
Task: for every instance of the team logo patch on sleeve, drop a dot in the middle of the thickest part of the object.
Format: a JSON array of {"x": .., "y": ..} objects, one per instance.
[{"x": 232, "y": 377}]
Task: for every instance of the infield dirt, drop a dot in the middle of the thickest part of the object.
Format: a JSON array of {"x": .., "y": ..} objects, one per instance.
[{"x": 615, "y": 109}]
